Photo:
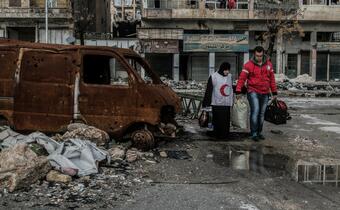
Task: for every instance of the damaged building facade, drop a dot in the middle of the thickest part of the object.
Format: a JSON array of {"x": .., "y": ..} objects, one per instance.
[
  {"x": 25, "y": 20},
  {"x": 189, "y": 39},
  {"x": 125, "y": 16}
]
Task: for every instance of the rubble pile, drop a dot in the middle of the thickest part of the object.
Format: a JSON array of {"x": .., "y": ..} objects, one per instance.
[
  {"x": 303, "y": 85},
  {"x": 183, "y": 85},
  {"x": 82, "y": 131},
  {"x": 20, "y": 167},
  {"x": 304, "y": 78},
  {"x": 67, "y": 172}
]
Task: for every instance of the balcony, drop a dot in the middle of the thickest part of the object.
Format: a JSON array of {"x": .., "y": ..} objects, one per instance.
[
  {"x": 195, "y": 9},
  {"x": 35, "y": 12},
  {"x": 321, "y": 12}
]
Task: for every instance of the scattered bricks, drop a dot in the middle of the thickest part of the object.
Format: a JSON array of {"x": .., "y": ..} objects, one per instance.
[{"x": 55, "y": 176}]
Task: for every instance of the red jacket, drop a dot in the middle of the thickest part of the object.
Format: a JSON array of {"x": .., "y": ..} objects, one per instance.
[{"x": 260, "y": 79}]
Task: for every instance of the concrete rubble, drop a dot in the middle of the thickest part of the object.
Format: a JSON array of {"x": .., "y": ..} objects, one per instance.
[
  {"x": 45, "y": 181},
  {"x": 85, "y": 132},
  {"x": 302, "y": 85},
  {"x": 21, "y": 167},
  {"x": 117, "y": 153},
  {"x": 73, "y": 156}
]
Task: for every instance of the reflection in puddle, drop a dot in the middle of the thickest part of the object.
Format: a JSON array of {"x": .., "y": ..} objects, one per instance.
[{"x": 256, "y": 158}]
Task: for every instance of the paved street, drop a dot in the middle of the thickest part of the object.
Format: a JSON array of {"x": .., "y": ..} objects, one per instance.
[{"x": 207, "y": 182}]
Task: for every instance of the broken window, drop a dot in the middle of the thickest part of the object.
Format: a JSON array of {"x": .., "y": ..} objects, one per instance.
[
  {"x": 140, "y": 70},
  {"x": 15, "y": 3},
  {"x": 104, "y": 70},
  {"x": 334, "y": 70},
  {"x": 139, "y": 67},
  {"x": 52, "y": 3},
  {"x": 291, "y": 66}
]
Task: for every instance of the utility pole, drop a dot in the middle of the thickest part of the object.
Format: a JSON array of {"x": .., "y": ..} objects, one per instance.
[
  {"x": 46, "y": 20},
  {"x": 134, "y": 9},
  {"x": 123, "y": 9}
]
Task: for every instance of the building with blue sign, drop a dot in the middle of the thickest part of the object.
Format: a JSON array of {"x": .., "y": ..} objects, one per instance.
[{"x": 189, "y": 39}]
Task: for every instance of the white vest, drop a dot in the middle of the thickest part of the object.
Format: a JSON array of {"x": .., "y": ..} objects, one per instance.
[{"x": 222, "y": 94}]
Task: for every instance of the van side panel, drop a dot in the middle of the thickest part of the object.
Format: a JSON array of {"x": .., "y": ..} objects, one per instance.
[
  {"x": 8, "y": 60},
  {"x": 44, "y": 95}
]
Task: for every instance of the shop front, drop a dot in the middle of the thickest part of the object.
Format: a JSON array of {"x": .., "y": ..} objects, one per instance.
[{"x": 204, "y": 53}]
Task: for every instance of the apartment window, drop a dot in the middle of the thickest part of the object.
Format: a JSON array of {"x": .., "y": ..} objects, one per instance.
[
  {"x": 319, "y": 2},
  {"x": 242, "y": 4},
  {"x": 335, "y": 2},
  {"x": 328, "y": 36},
  {"x": 15, "y": 3},
  {"x": 306, "y": 37},
  {"x": 52, "y": 3},
  {"x": 258, "y": 36}
]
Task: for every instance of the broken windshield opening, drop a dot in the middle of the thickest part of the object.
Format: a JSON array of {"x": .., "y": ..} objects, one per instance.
[{"x": 143, "y": 70}]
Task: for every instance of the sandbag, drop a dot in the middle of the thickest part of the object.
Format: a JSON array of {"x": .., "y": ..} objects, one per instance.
[{"x": 239, "y": 114}]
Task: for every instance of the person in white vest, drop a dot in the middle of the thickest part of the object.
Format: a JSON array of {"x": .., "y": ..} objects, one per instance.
[{"x": 219, "y": 95}]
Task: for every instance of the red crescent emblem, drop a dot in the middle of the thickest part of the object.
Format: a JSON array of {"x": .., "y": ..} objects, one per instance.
[{"x": 222, "y": 90}]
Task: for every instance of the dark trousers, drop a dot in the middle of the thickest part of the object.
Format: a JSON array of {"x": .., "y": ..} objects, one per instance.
[{"x": 221, "y": 121}]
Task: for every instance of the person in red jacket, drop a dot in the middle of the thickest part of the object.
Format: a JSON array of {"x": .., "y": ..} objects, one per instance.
[{"x": 259, "y": 75}]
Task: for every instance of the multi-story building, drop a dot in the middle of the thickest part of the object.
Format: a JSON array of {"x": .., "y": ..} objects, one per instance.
[
  {"x": 189, "y": 39},
  {"x": 25, "y": 20}
]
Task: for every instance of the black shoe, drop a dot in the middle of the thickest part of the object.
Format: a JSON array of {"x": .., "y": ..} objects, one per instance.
[
  {"x": 255, "y": 138},
  {"x": 261, "y": 137}
]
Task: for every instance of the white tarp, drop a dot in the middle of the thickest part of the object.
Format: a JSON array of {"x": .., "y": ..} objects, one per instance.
[{"x": 74, "y": 154}]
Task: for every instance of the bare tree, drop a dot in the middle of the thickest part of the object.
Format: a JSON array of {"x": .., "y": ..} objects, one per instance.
[
  {"x": 282, "y": 19},
  {"x": 83, "y": 17}
]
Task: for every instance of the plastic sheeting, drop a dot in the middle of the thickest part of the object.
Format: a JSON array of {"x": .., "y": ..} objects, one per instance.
[{"x": 74, "y": 154}]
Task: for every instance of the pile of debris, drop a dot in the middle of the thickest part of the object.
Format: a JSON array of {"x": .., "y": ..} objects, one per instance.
[
  {"x": 305, "y": 85},
  {"x": 185, "y": 85},
  {"x": 302, "y": 85},
  {"x": 67, "y": 170}
]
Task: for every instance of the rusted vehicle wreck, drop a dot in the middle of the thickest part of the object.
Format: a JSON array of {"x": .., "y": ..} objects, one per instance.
[{"x": 45, "y": 87}]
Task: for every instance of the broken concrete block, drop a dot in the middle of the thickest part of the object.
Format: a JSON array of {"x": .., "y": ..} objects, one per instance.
[
  {"x": 75, "y": 126},
  {"x": 20, "y": 167},
  {"x": 168, "y": 129},
  {"x": 56, "y": 176},
  {"x": 100, "y": 137},
  {"x": 131, "y": 155},
  {"x": 117, "y": 153},
  {"x": 163, "y": 154}
]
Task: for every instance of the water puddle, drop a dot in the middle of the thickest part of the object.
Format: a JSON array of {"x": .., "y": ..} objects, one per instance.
[
  {"x": 264, "y": 160},
  {"x": 256, "y": 158}
]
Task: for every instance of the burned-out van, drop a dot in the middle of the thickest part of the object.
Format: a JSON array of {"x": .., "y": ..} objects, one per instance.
[{"x": 45, "y": 87}]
